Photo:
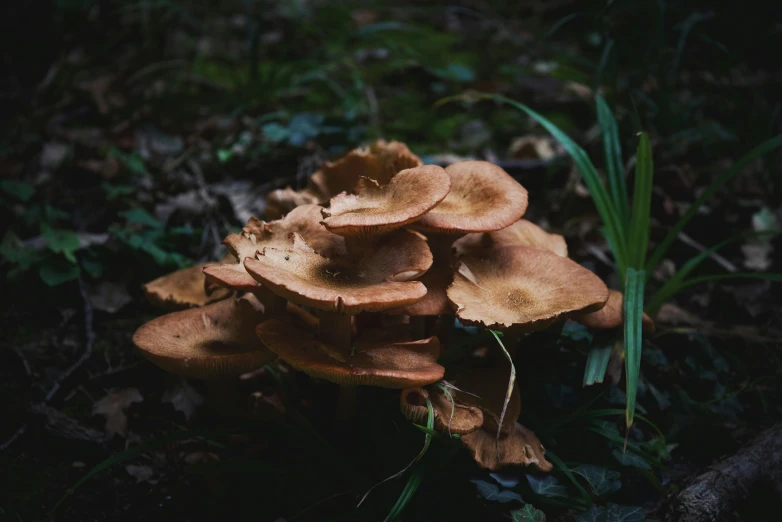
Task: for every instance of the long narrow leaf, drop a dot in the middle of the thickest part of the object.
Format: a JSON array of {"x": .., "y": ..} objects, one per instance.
[
  {"x": 596, "y": 365},
  {"x": 665, "y": 244},
  {"x": 638, "y": 239},
  {"x": 776, "y": 278},
  {"x": 511, "y": 382},
  {"x": 613, "y": 158},
  {"x": 585, "y": 166},
  {"x": 633, "y": 311}
]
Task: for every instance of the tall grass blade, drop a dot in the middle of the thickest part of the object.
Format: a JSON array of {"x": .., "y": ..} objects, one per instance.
[
  {"x": 762, "y": 149},
  {"x": 596, "y": 365},
  {"x": 511, "y": 383},
  {"x": 638, "y": 232},
  {"x": 613, "y": 158},
  {"x": 603, "y": 202},
  {"x": 633, "y": 311},
  {"x": 775, "y": 278}
]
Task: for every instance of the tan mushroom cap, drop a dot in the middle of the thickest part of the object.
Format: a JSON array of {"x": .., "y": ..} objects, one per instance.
[
  {"x": 376, "y": 209},
  {"x": 281, "y": 201},
  {"x": 435, "y": 302},
  {"x": 483, "y": 198},
  {"x": 182, "y": 289},
  {"x": 520, "y": 233},
  {"x": 523, "y": 287},
  {"x": 518, "y": 448},
  {"x": 449, "y": 415},
  {"x": 612, "y": 315},
  {"x": 381, "y": 279},
  {"x": 211, "y": 342},
  {"x": 381, "y": 161},
  {"x": 388, "y": 360},
  {"x": 257, "y": 234},
  {"x": 486, "y": 388}
]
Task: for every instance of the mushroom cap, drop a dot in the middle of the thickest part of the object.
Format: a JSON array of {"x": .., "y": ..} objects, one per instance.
[
  {"x": 257, "y": 234},
  {"x": 211, "y": 342},
  {"x": 435, "y": 302},
  {"x": 281, "y": 201},
  {"x": 520, "y": 447},
  {"x": 483, "y": 198},
  {"x": 376, "y": 209},
  {"x": 449, "y": 415},
  {"x": 523, "y": 287},
  {"x": 380, "y": 162},
  {"x": 612, "y": 315},
  {"x": 520, "y": 233},
  {"x": 380, "y": 279},
  {"x": 486, "y": 388},
  {"x": 182, "y": 289},
  {"x": 387, "y": 358}
]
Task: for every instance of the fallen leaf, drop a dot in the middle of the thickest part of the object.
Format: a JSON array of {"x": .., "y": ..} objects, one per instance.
[
  {"x": 108, "y": 296},
  {"x": 140, "y": 473},
  {"x": 183, "y": 398},
  {"x": 113, "y": 406}
]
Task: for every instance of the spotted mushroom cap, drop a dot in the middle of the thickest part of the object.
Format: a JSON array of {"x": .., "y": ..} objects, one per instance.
[
  {"x": 520, "y": 447},
  {"x": 483, "y": 197},
  {"x": 382, "y": 278},
  {"x": 520, "y": 233},
  {"x": 450, "y": 416},
  {"x": 385, "y": 358},
  {"x": 375, "y": 209},
  {"x": 182, "y": 289},
  {"x": 611, "y": 315},
  {"x": 524, "y": 288},
  {"x": 214, "y": 341}
]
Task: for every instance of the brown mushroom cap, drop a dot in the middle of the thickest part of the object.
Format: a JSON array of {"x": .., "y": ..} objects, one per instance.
[
  {"x": 520, "y": 233},
  {"x": 256, "y": 235},
  {"x": 281, "y": 201},
  {"x": 435, "y": 302},
  {"x": 486, "y": 388},
  {"x": 182, "y": 289},
  {"x": 217, "y": 340},
  {"x": 387, "y": 359},
  {"x": 523, "y": 287},
  {"x": 380, "y": 161},
  {"x": 449, "y": 415},
  {"x": 483, "y": 198},
  {"x": 381, "y": 279},
  {"x": 376, "y": 209},
  {"x": 611, "y": 315},
  {"x": 520, "y": 447}
]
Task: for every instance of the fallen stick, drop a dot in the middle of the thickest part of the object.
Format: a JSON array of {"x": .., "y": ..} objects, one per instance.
[{"x": 713, "y": 495}]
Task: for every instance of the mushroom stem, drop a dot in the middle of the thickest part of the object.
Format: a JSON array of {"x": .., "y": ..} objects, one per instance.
[
  {"x": 445, "y": 328},
  {"x": 356, "y": 245},
  {"x": 334, "y": 329},
  {"x": 440, "y": 246},
  {"x": 223, "y": 398},
  {"x": 346, "y": 403},
  {"x": 418, "y": 326},
  {"x": 272, "y": 303}
]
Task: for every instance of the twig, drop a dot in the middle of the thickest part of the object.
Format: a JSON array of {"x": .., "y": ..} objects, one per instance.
[
  {"x": 26, "y": 364},
  {"x": 727, "y": 265},
  {"x": 18, "y": 433}
]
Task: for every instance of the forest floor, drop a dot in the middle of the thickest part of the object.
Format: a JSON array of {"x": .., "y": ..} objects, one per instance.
[{"x": 152, "y": 130}]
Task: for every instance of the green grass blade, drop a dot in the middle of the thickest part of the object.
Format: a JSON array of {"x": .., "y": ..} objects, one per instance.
[
  {"x": 596, "y": 365},
  {"x": 665, "y": 244},
  {"x": 585, "y": 166},
  {"x": 569, "y": 474},
  {"x": 613, "y": 158},
  {"x": 638, "y": 232},
  {"x": 633, "y": 311},
  {"x": 511, "y": 383},
  {"x": 776, "y": 278}
]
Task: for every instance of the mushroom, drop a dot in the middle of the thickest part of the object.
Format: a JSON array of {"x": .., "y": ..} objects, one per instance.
[
  {"x": 450, "y": 416},
  {"x": 182, "y": 289},
  {"x": 523, "y": 288},
  {"x": 376, "y": 209},
  {"x": 520, "y": 233},
  {"x": 520, "y": 447},
  {"x": 611, "y": 315},
  {"x": 281, "y": 201}
]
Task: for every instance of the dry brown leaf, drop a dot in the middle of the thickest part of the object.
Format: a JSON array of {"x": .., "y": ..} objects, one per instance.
[{"x": 113, "y": 407}]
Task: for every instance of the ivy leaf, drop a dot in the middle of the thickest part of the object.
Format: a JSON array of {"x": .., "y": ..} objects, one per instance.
[
  {"x": 60, "y": 241},
  {"x": 528, "y": 514},
  {"x": 631, "y": 459},
  {"x": 275, "y": 132},
  {"x": 547, "y": 486},
  {"x": 139, "y": 216},
  {"x": 18, "y": 189},
  {"x": 602, "y": 481},
  {"x": 56, "y": 271},
  {"x": 13, "y": 250},
  {"x": 505, "y": 480},
  {"x": 613, "y": 513},
  {"x": 576, "y": 332},
  {"x": 493, "y": 492}
]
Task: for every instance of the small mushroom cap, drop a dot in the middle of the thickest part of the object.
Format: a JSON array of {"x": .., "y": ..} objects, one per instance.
[
  {"x": 380, "y": 161},
  {"x": 387, "y": 360},
  {"x": 182, "y": 289},
  {"x": 376, "y": 209},
  {"x": 211, "y": 342},
  {"x": 520, "y": 233},
  {"x": 486, "y": 388},
  {"x": 449, "y": 415},
  {"x": 520, "y": 448},
  {"x": 483, "y": 198},
  {"x": 381, "y": 279},
  {"x": 612, "y": 315},
  {"x": 256, "y": 235},
  {"x": 523, "y": 287},
  {"x": 281, "y": 201},
  {"x": 435, "y": 302}
]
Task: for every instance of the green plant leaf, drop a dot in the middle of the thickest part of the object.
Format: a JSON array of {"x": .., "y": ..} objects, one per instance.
[
  {"x": 638, "y": 231},
  {"x": 494, "y": 493},
  {"x": 60, "y": 241},
  {"x": 633, "y": 340},
  {"x": 602, "y": 481},
  {"x": 18, "y": 189},
  {"x": 56, "y": 271},
  {"x": 662, "y": 248},
  {"x": 547, "y": 486},
  {"x": 596, "y": 365},
  {"x": 613, "y": 158},
  {"x": 613, "y": 513},
  {"x": 630, "y": 459},
  {"x": 527, "y": 514},
  {"x": 139, "y": 216}
]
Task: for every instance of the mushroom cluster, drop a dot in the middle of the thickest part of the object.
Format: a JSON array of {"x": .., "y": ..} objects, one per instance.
[{"x": 351, "y": 278}]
